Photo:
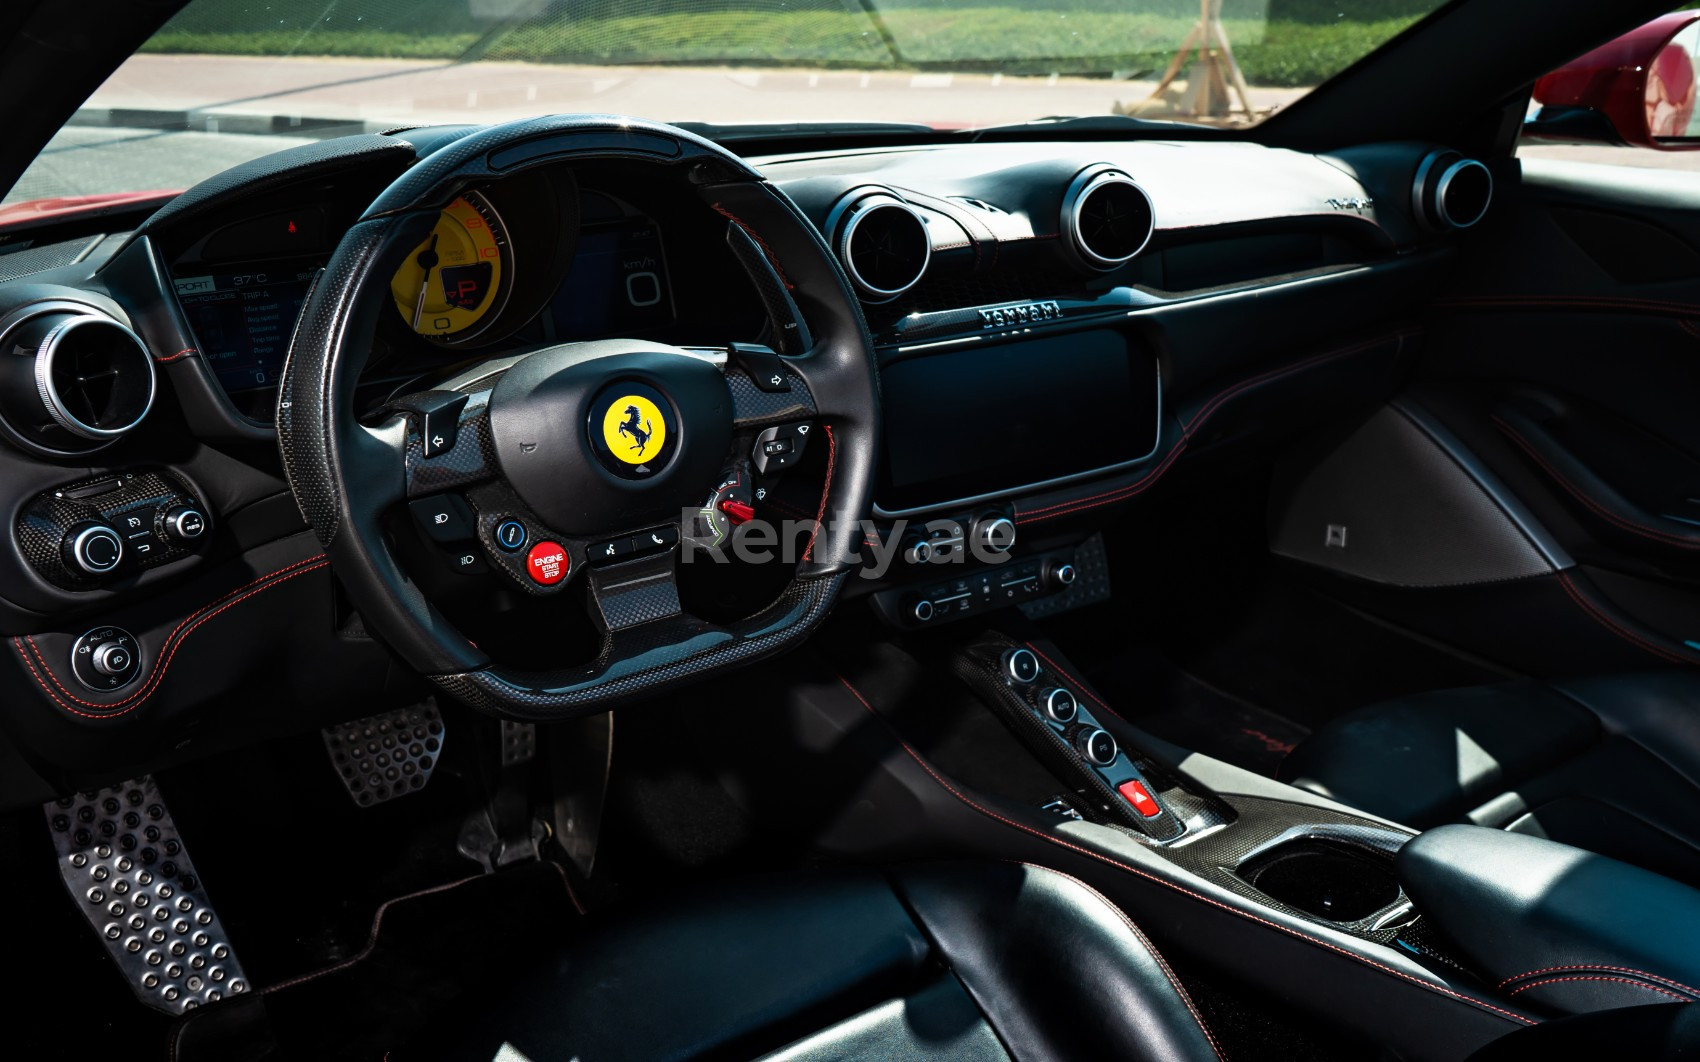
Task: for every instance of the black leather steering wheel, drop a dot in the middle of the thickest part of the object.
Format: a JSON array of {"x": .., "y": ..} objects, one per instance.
[{"x": 526, "y": 435}]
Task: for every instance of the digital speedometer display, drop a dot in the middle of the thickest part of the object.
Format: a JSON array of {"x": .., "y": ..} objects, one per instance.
[{"x": 243, "y": 321}]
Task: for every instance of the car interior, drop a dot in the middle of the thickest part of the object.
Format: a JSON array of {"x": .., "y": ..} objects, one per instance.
[{"x": 592, "y": 588}]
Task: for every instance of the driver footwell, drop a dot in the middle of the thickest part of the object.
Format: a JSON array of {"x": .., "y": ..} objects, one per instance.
[{"x": 427, "y": 952}]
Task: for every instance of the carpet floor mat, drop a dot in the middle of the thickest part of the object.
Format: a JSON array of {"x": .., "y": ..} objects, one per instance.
[{"x": 427, "y": 952}]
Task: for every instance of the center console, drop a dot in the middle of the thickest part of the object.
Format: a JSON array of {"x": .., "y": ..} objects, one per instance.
[{"x": 969, "y": 741}]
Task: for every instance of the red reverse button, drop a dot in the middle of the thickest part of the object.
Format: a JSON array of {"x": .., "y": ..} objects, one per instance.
[
  {"x": 547, "y": 563},
  {"x": 1140, "y": 798}
]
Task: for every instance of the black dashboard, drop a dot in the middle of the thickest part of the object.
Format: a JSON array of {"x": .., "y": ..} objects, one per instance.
[{"x": 1055, "y": 326}]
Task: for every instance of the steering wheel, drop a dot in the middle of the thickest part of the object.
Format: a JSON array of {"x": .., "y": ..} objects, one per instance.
[{"x": 533, "y": 437}]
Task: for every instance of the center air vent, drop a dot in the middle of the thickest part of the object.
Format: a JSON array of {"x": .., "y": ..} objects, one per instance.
[
  {"x": 883, "y": 244},
  {"x": 1451, "y": 191},
  {"x": 1106, "y": 217},
  {"x": 72, "y": 379}
]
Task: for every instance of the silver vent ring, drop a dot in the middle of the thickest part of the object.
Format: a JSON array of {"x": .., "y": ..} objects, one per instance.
[{"x": 126, "y": 348}]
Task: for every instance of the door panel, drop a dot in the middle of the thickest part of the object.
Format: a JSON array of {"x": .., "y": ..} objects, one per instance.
[{"x": 1564, "y": 356}]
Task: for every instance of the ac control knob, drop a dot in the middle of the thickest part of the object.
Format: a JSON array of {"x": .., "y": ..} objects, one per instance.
[
  {"x": 183, "y": 524},
  {"x": 994, "y": 535},
  {"x": 1097, "y": 747},
  {"x": 921, "y": 611},
  {"x": 1021, "y": 666},
  {"x": 1064, "y": 575},
  {"x": 92, "y": 548}
]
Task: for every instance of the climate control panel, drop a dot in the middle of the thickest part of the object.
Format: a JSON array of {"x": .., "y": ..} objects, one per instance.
[
  {"x": 960, "y": 591},
  {"x": 94, "y": 532}
]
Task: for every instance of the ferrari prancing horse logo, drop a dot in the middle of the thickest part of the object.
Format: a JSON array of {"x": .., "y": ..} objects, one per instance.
[{"x": 634, "y": 429}]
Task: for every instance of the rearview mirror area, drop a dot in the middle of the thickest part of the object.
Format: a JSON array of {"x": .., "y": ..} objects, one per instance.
[{"x": 1638, "y": 90}]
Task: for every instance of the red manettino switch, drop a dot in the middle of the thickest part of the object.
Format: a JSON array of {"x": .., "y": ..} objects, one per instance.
[
  {"x": 1140, "y": 798},
  {"x": 737, "y": 511}
]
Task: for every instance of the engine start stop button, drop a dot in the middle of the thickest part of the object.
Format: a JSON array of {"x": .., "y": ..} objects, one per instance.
[{"x": 547, "y": 563}]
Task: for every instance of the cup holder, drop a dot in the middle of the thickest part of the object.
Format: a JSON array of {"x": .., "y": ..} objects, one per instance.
[{"x": 1328, "y": 879}]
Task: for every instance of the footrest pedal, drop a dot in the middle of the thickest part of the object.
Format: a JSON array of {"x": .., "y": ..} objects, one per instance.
[{"x": 128, "y": 871}]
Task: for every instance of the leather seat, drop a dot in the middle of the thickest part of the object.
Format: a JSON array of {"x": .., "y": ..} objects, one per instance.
[
  {"x": 961, "y": 961},
  {"x": 1610, "y": 764}
]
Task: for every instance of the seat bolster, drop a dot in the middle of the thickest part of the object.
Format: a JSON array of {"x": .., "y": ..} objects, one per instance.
[
  {"x": 1430, "y": 758},
  {"x": 1658, "y": 710},
  {"x": 1059, "y": 971}
]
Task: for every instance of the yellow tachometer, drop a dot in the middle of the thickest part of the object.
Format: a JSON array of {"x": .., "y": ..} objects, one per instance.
[{"x": 452, "y": 283}]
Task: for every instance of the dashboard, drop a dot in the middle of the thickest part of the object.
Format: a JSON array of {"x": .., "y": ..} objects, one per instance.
[{"x": 1055, "y": 326}]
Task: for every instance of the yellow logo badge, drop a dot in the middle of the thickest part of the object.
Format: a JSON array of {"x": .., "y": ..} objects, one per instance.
[{"x": 634, "y": 429}]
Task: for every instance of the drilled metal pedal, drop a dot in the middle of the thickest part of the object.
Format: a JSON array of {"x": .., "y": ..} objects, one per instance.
[
  {"x": 129, "y": 873},
  {"x": 519, "y": 742},
  {"x": 386, "y": 756}
]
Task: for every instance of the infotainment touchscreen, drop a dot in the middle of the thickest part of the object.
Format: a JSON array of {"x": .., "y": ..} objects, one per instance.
[
  {"x": 982, "y": 420},
  {"x": 243, "y": 321}
]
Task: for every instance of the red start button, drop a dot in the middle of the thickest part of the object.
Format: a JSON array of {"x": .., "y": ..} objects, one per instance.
[{"x": 547, "y": 563}]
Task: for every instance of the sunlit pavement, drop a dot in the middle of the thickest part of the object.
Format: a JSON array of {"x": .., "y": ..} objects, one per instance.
[
  {"x": 130, "y": 134},
  {"x": 414, "y": 92}
]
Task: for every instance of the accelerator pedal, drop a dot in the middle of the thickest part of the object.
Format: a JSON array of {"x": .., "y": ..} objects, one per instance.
[
  {"x": 519, "y": 743},
  {"x": 129, "y": 873},
  {"x": 386, "y": 756}
]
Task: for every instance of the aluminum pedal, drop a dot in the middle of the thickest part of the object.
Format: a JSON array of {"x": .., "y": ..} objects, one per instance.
[
  {"x": 386, "y": 756},
  {"x": 519, "y": 742},
  {"x": 128, "y": 871}
]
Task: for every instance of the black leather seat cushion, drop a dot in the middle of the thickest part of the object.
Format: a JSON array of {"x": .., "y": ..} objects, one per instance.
[
  {"x": 962, "y": 961},
  {"x": 1609, "y": 764}
]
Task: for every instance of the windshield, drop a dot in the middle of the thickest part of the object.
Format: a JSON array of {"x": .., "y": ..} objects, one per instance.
[{"x": 227, "y": 80}]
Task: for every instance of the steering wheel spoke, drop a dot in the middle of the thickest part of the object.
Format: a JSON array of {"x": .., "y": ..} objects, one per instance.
[
  {"x": 637, "y": 592},
  {"x": 448, "y": 445}
]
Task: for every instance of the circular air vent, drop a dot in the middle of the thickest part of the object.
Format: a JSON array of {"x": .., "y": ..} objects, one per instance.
[
  {"x": 72, "y": 379},
  {"x": 1106, "y": 217},
  {"x": 1451, "y": 191},
  {"x": 883, "y": 244}
]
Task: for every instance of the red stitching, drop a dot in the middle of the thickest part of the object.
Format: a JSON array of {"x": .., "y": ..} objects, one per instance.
[
  {"x": 1621, "y": 631},
  {"x": 1099, "y": 701},
  {"x": 1626, "y": 524},
  {"x": 371, "y": 938},
  {"x": 1092, "y": 501},
  {"x": 1162, "y": 964},
  {"x": 1597, "y": 966},
  {"x": 185, "y": 352},
  {"x": 1619, "y": 980},
  {"x": 1112, "y": 861},
  {"x": 174, "y": 641},
  {"x": 820, "y": 514},
  {"x": 1108, "y": 497},
  {"x": 772, "y": 259}
]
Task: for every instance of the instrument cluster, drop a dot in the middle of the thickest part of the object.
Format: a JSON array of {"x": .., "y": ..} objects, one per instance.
[{"x": 523, "y": 262}]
